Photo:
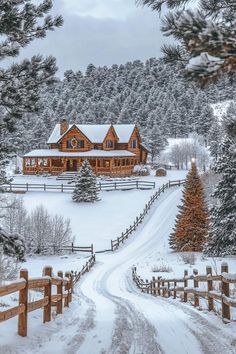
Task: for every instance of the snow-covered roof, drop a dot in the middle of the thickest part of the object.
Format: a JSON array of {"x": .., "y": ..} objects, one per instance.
[
  {"x": 91, "y": 153},
  {"x": 124, "y": 132},
  {"x": 96, "y": 133}
]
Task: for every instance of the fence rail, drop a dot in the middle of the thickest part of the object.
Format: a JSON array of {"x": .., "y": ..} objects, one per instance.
[
  {"x": 64, "y": 290},
  {"x": 139, "y": 219},
  {"x": 212, "y": 292},
  {"x": 71, "y": 248},
  {"x": 107, "y": 186}
]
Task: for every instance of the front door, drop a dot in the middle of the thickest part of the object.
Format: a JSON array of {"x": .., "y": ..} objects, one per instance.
[{"x": 71, "y": 165}]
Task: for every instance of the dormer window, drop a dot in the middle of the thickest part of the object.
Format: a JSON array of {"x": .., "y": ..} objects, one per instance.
[
  {"x": 134, "y": 143},
  {"x": 109, "y": 144}
]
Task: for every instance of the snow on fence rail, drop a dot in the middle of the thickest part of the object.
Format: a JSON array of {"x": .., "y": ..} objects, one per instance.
[
  {"x": 170, "y": 287},
  {"x": 139, "y": 219},
  {"x": 64, "y": 289},
  {"x": 107, "y": 186}
]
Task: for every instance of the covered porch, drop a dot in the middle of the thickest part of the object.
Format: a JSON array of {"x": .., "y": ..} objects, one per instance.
[{"x": 102, "y": 165}]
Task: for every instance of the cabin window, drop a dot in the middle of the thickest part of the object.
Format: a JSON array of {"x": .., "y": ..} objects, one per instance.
[
  {"x": 107, "y": 163},
  {"x": 42, "y": 162},
  {"x": 109, "y": 144},
  {"x": 27, "y": 162},
  {"x": 33, "y": 162},
  {"x": 134, "y": 143},
  {"x": 123, "y": 162},
  {"x": 127, "y": 162},
  {"x": 80, "y": 144}
]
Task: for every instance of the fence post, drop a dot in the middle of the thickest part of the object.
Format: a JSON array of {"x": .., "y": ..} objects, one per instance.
[
  {"x": 23, "y": 300},
  {"x": 72, "y": 247},
  {"x": 225, "y": 292},
  {"x": 185, "y": 285},
  {"x": 195, "y": 284},
  {"x": 158, "y": 285},
  {"x": 71, "y": 288},
  {"x": 92, "y": 248},
  {"x": 168, "y": 285},
  {"x": 136, "y": 184},
  {"x": 111, "y": 245},
  {"x": 47, "y": 292},
  {"x": 67, "y": 288},
  {"x": 169, "y": 184},
  {"x": 122, "y": 236},
  {"x": 174, "y": 295},
  {"x": 44, "y": 187},
  {"x": 154, "y": 286},
  {"x": 60, "y": 292},
  {"x": 118, "y": 241},
  {"x": 210, "y": 288},
  {"x": 27, "y": 187},
  {"x": 62, "y": 188},
  {"x": 163, "y": 288}
]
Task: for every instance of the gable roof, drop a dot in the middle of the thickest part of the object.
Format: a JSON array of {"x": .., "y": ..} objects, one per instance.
[{"x": 96, "y": 133}]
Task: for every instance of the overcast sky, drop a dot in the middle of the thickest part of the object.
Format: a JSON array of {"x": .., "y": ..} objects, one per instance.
[{"x": 102, "y": 32}]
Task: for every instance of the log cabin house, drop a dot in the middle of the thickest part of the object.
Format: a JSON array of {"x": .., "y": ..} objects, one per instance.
[{"x": 111, "y": 150}]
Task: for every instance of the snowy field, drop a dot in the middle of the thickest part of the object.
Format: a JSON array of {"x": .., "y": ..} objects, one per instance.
[{"x": 100, "y": 222}]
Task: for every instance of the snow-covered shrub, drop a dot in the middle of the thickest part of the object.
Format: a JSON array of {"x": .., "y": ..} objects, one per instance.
[
  {"x": 188, "y": 258},
  {"x": 85, "y": 185},
  {"x": 15, "y": 215},
  {"x": 13, "y": 244},
  {"x": 8, "y": 267},
  {"x": 162, "y": 268},
  {"x": 47, "y": 233},
  {"x": 32, "y": 232},
  {"x": 141, "y": 170}
]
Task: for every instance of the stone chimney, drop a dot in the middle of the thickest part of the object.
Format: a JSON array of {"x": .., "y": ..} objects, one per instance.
[{"x": 64, "y": 126}]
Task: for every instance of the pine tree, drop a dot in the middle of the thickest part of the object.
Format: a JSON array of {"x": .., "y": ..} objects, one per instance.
[
  {"x": 191, "y": 226},
  {"x": 222, "y": 235},
  {"x": 206, "y": 35},
  {"x": 20, "y": 83},
  {"x": 85, "y": 185}
]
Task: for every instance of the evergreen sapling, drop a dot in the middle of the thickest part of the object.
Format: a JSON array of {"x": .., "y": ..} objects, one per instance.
[{"x": 85, "y": 185}]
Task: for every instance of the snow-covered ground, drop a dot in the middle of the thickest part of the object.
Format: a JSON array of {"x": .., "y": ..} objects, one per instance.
[
  {"x": 110, "y": 315},
  {"x": 100, "y": 222}
]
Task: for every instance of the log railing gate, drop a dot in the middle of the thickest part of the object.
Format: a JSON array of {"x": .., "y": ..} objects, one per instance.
[
  {"x": 171, "y": 287},
  {"x": 63, "y": 284},
  {"x": 139, "y": 219}
]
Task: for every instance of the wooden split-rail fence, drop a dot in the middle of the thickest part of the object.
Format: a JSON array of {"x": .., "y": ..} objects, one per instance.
[
  {"x": 101, "y": 186},
  {"x": 139, "y": 219},
  {"x": 216, "y": 289},
  {"x": 63, "y": 284}
]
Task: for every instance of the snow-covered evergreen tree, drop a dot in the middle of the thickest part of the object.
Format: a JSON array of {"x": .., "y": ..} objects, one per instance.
[
  {"x": 206, "y": 35},
  {"x": 85, "y": 185},
  {"x": 21, "y": 22},
  {"x": 222, "y": 236}
]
